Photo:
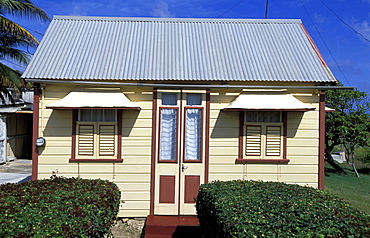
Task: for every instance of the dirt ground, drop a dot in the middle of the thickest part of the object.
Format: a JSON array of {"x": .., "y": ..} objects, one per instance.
[{"x": 128, "y": 228}]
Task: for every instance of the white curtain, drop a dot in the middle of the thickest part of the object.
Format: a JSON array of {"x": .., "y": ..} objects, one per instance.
[
  {"x": 193, "y": 134},
  {"x": 168, "y": 134},
  {"x": 101, "y": 115}
]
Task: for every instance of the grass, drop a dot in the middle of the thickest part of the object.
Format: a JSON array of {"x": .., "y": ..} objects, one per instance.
[{"x": 354, "y": 190}]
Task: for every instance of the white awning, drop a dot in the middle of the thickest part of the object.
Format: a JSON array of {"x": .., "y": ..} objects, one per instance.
[
  {"x": 267, "y": 102},
  {"x": 94, "y": 98}
]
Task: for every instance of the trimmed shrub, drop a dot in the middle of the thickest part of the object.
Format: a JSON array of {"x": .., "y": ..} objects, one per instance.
[
  {"x": 58, "y": 207},
  {"x": 269, "y": 209}
]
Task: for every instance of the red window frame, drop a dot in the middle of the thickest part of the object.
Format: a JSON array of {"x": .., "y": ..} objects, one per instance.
[{"x": 74, "y": 138}]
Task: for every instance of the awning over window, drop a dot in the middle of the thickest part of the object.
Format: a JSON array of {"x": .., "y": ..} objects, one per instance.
[
  {"x": 267, "y": 102},
  {"x": 94, "y": 98}
]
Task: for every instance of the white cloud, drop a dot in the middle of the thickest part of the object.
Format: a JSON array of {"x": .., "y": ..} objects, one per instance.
[
  {"x": 346, "y": 65},
  {"x": 363, "y": 28},
  {"x": 161, "y": 9},
  {"x": 76, "y": 11}
]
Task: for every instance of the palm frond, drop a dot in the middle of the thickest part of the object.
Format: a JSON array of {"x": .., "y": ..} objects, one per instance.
[
  {"x": 9, "y": 27},
  {"x": 14, "y": 54},
  {"x": 22, "y": 8},
  {"x": 10, "y": 77},
  {"x": 13, "y": 41}
]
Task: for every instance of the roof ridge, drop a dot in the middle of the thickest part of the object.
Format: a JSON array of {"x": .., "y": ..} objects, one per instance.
[{"x": 154, "y": 19}]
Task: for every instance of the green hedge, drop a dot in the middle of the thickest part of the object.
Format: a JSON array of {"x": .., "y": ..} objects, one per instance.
[
  {"x": 269, "y": 209},
  {"x": 58, "y": 207}
]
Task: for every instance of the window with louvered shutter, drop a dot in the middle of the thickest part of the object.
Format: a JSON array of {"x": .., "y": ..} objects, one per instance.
[
  {"x": 273, "y": 140},
  {"x": 86, "y": 140},
  {"x": 97, "y": 134},
  {"x": 263, "y": 140},
  {"x": 253, "y": 141},
  {"x": 106, "y": 140}
]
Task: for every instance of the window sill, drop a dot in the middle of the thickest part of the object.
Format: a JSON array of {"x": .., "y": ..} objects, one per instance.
[
  {"x": 96, "y": 160},
  {"x": 262, "y": 161}
]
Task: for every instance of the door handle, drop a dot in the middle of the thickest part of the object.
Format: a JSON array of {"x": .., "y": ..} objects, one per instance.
[{"x": 183, "y": 167}]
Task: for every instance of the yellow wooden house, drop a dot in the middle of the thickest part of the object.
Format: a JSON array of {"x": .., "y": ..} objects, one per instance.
[{"x": 160, "y": 106}]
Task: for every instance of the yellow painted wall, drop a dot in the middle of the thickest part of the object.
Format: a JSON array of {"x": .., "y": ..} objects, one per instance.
[
  {"x": 302, "y": 145},
  {"x": 133, "y": 175}
]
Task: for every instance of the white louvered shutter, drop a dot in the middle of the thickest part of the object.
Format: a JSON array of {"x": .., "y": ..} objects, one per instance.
[
  {"x": 107, "y": 140},
  {"x": 253, "y": 141},
  {"x": 86, "y": 140},
  {"x": 273, "y": 140}
]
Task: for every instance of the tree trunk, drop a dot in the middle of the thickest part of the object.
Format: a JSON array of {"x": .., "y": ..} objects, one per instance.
[
  {"x": 333, "y": 164},
  {"x": 354, "y": 168},
  {"x": 352, "y": 163}
]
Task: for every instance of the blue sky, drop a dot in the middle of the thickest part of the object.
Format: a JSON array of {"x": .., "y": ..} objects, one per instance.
[{"x": 342, "y": 34}]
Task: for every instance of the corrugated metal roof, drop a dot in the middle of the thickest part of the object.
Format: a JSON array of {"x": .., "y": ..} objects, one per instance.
[{"x": 107, "y": 48}]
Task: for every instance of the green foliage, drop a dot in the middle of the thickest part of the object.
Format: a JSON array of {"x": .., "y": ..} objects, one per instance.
[
  {"x": 349, "y": 124},
  {"x": 363, "y": 154},
  {"x": 14, "y": 38},
  {"x": 58, "y": 207},
  {"x": 269, "y": 209}
]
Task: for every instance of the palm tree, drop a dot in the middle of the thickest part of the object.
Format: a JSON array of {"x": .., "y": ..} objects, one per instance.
[{"x": 14, "y": 38}]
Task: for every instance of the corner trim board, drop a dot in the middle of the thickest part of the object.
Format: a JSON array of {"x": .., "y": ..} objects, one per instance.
[{"x": 35, "y": 128}]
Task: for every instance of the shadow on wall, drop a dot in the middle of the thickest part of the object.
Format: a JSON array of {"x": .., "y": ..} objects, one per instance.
[
  {"x": 60, "y": 123},
  {"x": 227, "y": 124}
]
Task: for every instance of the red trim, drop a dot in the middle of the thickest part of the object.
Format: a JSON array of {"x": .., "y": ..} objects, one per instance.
[
  {"x": 97, "y": 160},
  {"x": 262, "y": 161},
  {"x": 35, "y": 130},
  {"x": 177, "y": 135},
  {"x": 321, "y": 140},
  {"x": 201, "y": 137},
  {"x": 314, "y": 46},
  {"x": 69, "y": 108},
  {"x": 119, "y": 134},
  {"x": 266, "y": 109},
  {"x": 74, "y": 133},
  {"x": 154, "y": 151},
  {"x": 206, "y": 134},
  {"x": 241, "y": 132},
  {"x": 285, "y": 134},
  {"x": 179, "y": 148}
]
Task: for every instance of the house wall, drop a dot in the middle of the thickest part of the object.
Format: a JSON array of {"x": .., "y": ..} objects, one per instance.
[
  {"x": 302, "y": 145},
  {"x": 133, "y": 175}
]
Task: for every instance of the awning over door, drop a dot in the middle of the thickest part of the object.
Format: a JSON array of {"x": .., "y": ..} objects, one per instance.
[
  {"x": 94, "y": 98},
  {"x": 267, "y": 102}
]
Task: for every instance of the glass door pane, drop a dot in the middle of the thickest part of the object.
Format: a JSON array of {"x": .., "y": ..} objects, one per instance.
[
  {"x": 168, "y": 136},
  {"x": 193, "y": 133}
]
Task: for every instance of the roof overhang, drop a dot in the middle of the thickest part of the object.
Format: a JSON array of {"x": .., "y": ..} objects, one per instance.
[
  {"x": 267, "y": 102},
  {"x": 94, "y": 98}
]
